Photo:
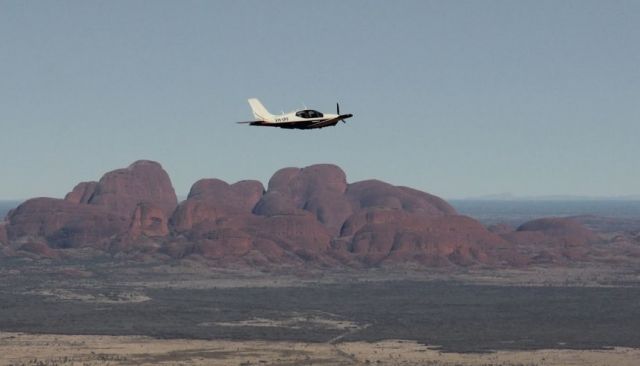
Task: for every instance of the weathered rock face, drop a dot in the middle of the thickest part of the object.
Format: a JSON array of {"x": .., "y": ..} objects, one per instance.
[
  {"x": 278, "y": 238},
  {"x": 137, "y": 199},
  {"x": 211, "y": 199},
  {"x": 64, "y": 224},
  {"x": 306, "y": 215},
  {"x": 82, "y": 193},
  {"x": 39, "y": 249},
  {"x": 300, "y": 184},
  {"x": 3, "y": 234},
  {"x": 121, "y": 190},
  {"x": 552, "y": 240},
  {"x": 323, "y": 191},
  {"x": 568, "y": 231},
  {"x": 318, "y": 189},
  {"x": 241, "y": 196},
  {"x": 276, "y": 203},
  {"x": 148, "y": 220},
  {"x": 396, "y": 236},
  {"x": 377, "y": 194}
]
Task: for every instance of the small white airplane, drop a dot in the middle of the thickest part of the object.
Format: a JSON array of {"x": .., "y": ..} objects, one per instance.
[{"x": 302, "y": 119}]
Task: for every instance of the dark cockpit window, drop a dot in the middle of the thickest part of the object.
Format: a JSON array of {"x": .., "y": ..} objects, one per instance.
[{"x": 309, "y": 114}]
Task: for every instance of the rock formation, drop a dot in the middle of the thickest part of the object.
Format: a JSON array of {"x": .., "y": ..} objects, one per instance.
[
  {"x": 377, "y": 194},
  {"x": 149, "y": 220},
  {"x": 82, "y": 193},
  {"x": 120, "y": 191},
  {"x": 138, "y": 198},
  {"x": 393, "y": 236},
  {"x": 38, "y": 249},
  {"x": 211, "y": 199},
  {"x": 565, "y": 231},
  {"x": 63, "y": 224},
  {"x": 307, "y": 215},
  {"x": 552, "y": 239},
  {"x": 3, "y": 234},
  {"x": 279, "y": 238},
  {"x": 319, "y": 189}
]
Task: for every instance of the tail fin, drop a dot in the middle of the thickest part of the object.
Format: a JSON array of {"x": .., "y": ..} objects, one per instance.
[{"x": 259, "y": 111}]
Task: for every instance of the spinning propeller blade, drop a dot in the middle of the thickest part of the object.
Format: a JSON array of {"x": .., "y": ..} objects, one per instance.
[{"x": 338, "y": 112}]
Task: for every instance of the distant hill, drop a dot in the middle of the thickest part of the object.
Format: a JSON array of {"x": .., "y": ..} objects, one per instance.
[
  {"x": 305, "y": 216},
  {"x": 516, "y": 212},
  {"x": 556, "y": 197}
]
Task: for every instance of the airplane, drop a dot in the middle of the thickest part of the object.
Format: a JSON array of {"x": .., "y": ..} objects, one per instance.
[{"x": 302, "y": 119}]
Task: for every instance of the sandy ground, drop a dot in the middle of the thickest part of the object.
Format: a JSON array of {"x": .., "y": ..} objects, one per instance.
[{"x": 30, "y": 349}]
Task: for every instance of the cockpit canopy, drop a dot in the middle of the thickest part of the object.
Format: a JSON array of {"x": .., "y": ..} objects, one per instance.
[{"x": 309, "y": 113}]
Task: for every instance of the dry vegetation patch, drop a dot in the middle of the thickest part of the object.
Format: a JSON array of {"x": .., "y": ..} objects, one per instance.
[{"x": 49, "y": 350}]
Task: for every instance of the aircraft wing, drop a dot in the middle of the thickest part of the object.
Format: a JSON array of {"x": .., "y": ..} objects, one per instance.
[
  {"x": 297, "y": 124},
  {"x": 327, "y": 123}
]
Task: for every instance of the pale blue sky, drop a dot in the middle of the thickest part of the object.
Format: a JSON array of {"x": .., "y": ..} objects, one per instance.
[{"x": 458, "y": 98}]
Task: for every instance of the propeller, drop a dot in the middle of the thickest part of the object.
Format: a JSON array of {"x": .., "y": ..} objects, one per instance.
[{"x": 338, "y": 112}]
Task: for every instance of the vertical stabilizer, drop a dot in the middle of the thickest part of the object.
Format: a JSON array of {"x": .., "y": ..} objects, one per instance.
[{"x": 259, "y": 111}]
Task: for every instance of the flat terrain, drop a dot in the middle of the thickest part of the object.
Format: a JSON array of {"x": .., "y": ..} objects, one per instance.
[
  {"x": 185, "y": 312},
  {"x": 49, "y": 350},
  {"x": 456, "y": 317}
]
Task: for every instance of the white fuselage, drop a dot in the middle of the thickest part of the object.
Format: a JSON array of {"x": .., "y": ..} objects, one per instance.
[
  {"x": 291, "y": 117},
  {"x": 299, "y": 119}
]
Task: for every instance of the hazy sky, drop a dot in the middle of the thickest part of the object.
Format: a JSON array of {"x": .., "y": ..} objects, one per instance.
[{"x": 458, "y": 98}]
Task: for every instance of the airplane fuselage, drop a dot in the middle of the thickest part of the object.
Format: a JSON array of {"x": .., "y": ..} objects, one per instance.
[
  {"x": 301, "y": 119},
  {"x": 292, "y": 120}
]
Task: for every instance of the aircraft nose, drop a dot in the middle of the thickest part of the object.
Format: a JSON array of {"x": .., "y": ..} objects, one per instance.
[{"x": 348, "y": 115}]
